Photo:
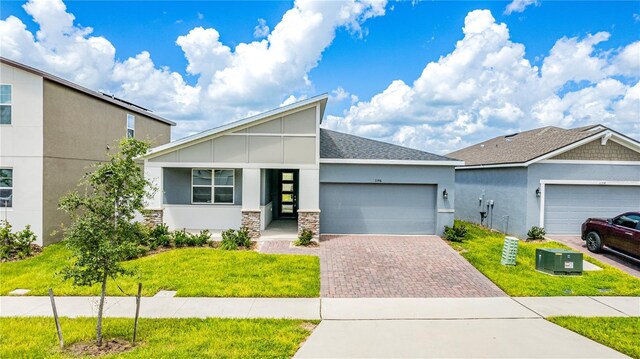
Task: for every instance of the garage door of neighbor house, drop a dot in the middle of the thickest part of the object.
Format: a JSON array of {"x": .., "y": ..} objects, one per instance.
[
  {"x": 364, "y": 208},
  {"x": 568, "y": 206}
]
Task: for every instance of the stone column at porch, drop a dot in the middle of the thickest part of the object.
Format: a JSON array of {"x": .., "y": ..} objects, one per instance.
[
  {"x": 153, "y": 212},
  {"x": 309, "y": 202},
  {"x": 251, "y": 201}
]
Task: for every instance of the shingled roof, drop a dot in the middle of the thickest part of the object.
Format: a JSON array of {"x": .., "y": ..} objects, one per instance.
[
  {"x": 523, "y": 146},
  {"x": 337, "y": 145}
]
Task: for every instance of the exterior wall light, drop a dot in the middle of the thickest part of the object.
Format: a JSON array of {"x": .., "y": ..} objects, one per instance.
[
  {"x": 445, "y": 195},
  {"x": 538, "y": 193}
]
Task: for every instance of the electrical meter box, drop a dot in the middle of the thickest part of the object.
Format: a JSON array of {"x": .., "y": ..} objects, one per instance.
[{"x": 558, "y": 261}]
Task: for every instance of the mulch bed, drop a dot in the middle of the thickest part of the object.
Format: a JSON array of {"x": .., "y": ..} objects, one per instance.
[
  {"x": 111, "y": 346},
  {"x": 35, "y": 250}
]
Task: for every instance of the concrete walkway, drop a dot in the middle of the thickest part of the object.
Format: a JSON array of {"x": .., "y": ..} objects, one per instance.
[
  {"x": 497, "y": 327},
  {"x": 155, "y": 307},
  {"x": 466, "y": 338},
  {"x": 328, "y": 308}
]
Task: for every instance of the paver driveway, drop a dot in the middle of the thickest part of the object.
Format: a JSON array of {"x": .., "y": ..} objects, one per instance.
[{"x": 397, "y": 266}]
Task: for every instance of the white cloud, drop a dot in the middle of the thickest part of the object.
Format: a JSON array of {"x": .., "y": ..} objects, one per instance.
[
  {"x": 627, "y": 62},
  {"x": 261, "y": 30},
  {"x": 231, "y": 82},
  {"x": 200, "y": 16},
  {"x": 519, "y": 6},
  {"x": 338, "y": 95},
  {"x": 486, "y": 87}
]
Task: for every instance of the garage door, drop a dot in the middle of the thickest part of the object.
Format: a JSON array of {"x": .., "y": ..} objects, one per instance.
[
  {"x": 350, "y": 208},
  {"x": 567, "y": 206}
]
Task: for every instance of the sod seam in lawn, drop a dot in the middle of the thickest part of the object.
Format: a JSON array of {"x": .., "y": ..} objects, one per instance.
[
  {"x": 621, "y": 334},
  {"x": 192, "y": 272},
  {"x": 483, "y": 249},
  {"x": 159, "y": 338}
]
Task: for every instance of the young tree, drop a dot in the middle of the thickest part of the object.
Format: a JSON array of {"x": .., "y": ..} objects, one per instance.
[{"x": 100, "y": 235}]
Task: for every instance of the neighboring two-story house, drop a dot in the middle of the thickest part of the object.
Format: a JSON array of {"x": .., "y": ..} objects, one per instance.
[{"x": 51, "y": 132}]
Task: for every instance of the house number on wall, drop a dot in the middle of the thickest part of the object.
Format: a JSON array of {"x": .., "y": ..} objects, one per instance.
[{"x": 377, "y": 180}]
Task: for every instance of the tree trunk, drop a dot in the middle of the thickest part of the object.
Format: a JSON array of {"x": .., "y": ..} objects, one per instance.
[{"x": 100, "y": 309}]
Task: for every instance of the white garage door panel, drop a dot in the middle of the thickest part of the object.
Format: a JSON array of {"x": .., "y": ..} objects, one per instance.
[
  {"x": 568, "y": 206},
  {"x": 363, "y": 208}
]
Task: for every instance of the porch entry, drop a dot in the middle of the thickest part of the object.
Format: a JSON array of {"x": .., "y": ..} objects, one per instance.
[{"x": 287, "y": 194}]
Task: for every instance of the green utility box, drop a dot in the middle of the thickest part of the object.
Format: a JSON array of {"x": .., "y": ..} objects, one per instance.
[
  {"x": 558, "y": 261},
  {"x": 509, "y": 251}
]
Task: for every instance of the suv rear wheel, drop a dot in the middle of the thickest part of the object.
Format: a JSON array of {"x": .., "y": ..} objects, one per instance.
[{"x": 594, "y": 242}]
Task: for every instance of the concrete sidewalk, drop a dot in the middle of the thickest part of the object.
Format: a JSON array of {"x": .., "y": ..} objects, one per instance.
[
  {"x": 154, "y": 307},
  {"x": 466, "y": 338},
  {"x": 328, "y": 308}
]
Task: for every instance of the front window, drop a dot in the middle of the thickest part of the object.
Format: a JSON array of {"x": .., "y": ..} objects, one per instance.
[
  {"x": 212, "y": 186},
  {"x": 5, "y": 104},
  {"x": 131, "y": 126},
  {"x": 6, "y": 187}
]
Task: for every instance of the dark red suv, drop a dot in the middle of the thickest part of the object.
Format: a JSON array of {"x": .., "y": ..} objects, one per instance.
[{"x": 621, "y": 233}]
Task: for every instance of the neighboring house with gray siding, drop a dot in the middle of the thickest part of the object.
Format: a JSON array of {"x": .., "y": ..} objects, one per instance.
[
  {"x": 549, "y": 177},
  {"x": 281, "y": 166},
  {"x": 51, "y": 131}
]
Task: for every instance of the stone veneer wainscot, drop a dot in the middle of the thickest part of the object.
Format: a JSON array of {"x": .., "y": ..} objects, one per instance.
[
  {"x": 309, "y": 220},
  {"x": 251, "y": 221}
]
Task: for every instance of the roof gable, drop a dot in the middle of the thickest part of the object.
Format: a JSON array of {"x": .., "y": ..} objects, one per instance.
[
  {"x": 596, "y": 150},
  {"x": 526, "y": 147},
  {"x": 259, "y": 121}
]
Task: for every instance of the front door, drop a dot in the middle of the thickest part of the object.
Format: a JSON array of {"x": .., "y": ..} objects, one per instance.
[{"x": 288, "y": 200}]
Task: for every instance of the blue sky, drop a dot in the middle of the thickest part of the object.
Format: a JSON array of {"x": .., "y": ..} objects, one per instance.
[{"x": 396, "y": 45}]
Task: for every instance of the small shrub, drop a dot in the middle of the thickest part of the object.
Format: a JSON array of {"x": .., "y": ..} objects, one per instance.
[
  {"x": 200, "y": 239},
  {"x": 242, "y": 238},
  {"x": 181, "y": 238},
  {"x": 159, "y": 230},
  {"x": 15, "y": 245},
  {"x": 457, "y": 233},
  {"x": 159, "y": 236},
  {"x": 228, "y": 242},
  {"x": 305, "y": 238},
  {"x": 232, "y": 239},
  {"x": 536, "y": 233},
  {"x": 164, "y": 240}
]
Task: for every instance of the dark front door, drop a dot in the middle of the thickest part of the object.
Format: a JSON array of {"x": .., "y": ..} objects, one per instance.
[{"x": 288, "y": 200}]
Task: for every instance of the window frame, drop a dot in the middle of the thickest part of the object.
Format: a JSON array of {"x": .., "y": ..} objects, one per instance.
[
  {"x": 10, "y": 104},
  {"x": 133, "y": 129},
  {"x": 10, "y": 188},
  {"x": 213, "y": 186}
]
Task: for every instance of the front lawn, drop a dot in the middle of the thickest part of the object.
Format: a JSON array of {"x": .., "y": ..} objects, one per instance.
[
  {"x": 159, "y": 338},
  {"x": 483, "y": 249},
  {"x": 621, "y": 334},
  {"x": 197, "y": 272}
]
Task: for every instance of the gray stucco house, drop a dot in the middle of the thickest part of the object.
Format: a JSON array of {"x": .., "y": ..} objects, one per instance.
[
  {"x": 549, "y": 177},
  {"x": 280, "y": 165}
]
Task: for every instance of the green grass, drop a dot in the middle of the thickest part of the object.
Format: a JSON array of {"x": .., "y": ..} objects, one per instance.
[
  {"x": 483, "y": 250},
  {"x": 159, "y": 338},
  {"x": 621, "y": 334},
  {"x": 197, "y": 272}
]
